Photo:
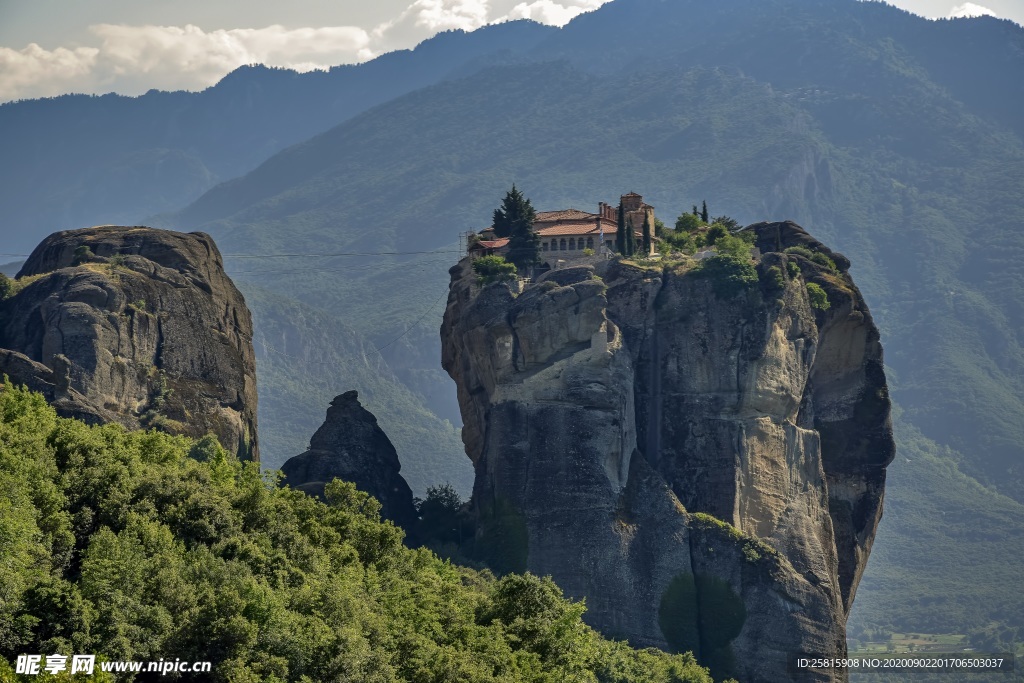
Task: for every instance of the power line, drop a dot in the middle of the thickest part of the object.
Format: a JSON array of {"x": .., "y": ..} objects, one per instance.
[
  {"x": 310, "y": 255},
  {"x": 429, "y": 308},
  {"x": 418, "y": 264},
  {"x": 345, "y": 253}
]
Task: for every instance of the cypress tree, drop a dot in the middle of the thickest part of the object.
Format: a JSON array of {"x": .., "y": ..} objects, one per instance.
[
  {"x": 620, "y": 234},
  {"x": 704, "y": 211},
  {"x": 647, "y": 235},
  {"x": 695, "y": 211},
  {"x": 630, "y": 239}
]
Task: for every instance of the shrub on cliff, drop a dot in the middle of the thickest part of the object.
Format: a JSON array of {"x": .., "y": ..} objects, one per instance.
[
  {"x": 6, "y": 287},
  {"x": 774, "y": 279},
  {"x": 825, "y": 261},
  {"x": 814, "y": 257},
  {"x": 817, "y": 296},
  {"x": 494, "y": 268},
  {"x": 120, "y": 544},
  {"x": 800, "y": 251},
  {"x": 729, "y": 274}
]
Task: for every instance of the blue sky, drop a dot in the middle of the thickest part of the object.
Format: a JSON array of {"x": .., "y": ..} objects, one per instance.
[{"x": 50, "y": 47}]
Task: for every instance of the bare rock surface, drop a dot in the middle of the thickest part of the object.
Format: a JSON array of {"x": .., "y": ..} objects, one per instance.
[
  {"x": 705, "y": 468},
  {"x": 137, "y": 326},
  {"x": 350, "y": 445}
]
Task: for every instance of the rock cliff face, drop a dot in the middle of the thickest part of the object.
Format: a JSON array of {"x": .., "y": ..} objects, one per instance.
[
  {"x": 136, "y": 326},
  {"x": 351, "y": 446},
  {"x": 705, "y": 466}
]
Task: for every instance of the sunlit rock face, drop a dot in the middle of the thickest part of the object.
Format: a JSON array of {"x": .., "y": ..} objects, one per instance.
[
  {"x": 704, "y": 465},
  {"x": 137, "y": 326}
]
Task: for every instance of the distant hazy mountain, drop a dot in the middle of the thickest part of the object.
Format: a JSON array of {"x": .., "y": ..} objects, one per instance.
[
  {"x": 892, "y": 137},
  {"x": 81, "y": 160}
]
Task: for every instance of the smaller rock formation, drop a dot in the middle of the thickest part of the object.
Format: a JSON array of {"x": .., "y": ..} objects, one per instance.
[
  {"x": 350, "y": 445},
  {"x": 136, "y": 326}
]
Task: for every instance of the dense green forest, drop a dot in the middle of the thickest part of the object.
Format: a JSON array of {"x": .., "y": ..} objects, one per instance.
[{"x": 141, "y": 546}]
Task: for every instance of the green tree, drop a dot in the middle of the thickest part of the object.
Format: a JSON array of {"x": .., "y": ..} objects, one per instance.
[
  {"x": 715, "y": 232},
  {"x": 646, "y": 243},
  {"x": 730, "y": 224},
  {"x": 688, "y": 222},
  {"x": 730, "y": 245},
  {"x": 524, "y": 246},
  {"x": 696, "y": 213},
  {"x": 704, "y": 211},
  {"x": 6, "y": 287},
  {"x": 680, "y": 241},
  {"x": 493, "y": 268},
  {"x": 630, "y": 238},
  {"x": 441, "y": 518},
  {"x": 515, "y": 209},
  {"x": 620, "y": 234}
]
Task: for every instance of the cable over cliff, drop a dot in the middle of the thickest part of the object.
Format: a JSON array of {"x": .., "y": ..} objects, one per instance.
[
  {"x": 702, "y": 457},
  {"x": 136, "y": 326}
]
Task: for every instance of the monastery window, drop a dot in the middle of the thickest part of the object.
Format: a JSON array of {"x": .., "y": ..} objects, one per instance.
[
  {"x": 544, "y": 246},
  {"x": 562, "y": 245},
  {"x": 572, "y": 244},
  {"x": 590, "y": 243}
]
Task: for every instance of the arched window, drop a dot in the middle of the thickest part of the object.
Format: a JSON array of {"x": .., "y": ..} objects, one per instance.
[
  {"x": 572, "y": 244},
  {"x": 590, "y": 243},
  {"x": 562, "y": 245},
  {"x": 544, "y": 246}
]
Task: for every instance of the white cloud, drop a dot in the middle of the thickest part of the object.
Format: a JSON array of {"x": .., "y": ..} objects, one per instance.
[
  {"x": 969, "y": 9},
  {"x": 134, "y": 59},
  {"x": 554, "y": 13},
  {"x": 424, "y": 18},
  {"x": 34, "y": 71}
]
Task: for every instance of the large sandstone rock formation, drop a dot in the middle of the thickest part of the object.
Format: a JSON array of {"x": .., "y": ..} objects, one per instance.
[
  {"x": 351, "y": 446},
  {"x": 136, "y": 326},
  {"x": 706, "y": 468}
]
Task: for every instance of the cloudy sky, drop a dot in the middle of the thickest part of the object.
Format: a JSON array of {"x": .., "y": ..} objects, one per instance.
[{"x": 49, "y": 47}]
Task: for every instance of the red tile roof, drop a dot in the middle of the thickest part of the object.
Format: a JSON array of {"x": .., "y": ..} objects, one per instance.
[
  {"x": 574, "y": 228},
  {"x": 493, "y": 244},
  {"x": 563, "y": 215}
]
